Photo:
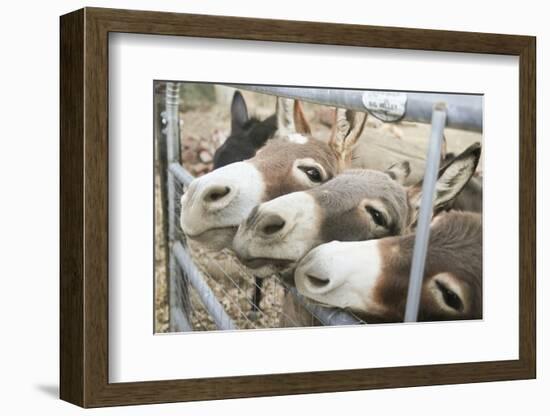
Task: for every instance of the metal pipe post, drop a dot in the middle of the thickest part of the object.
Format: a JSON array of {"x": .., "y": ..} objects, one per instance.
[
  {"x": 425, "y": 213},
  {"x": 327, "y": 316},
  {"x": 176, "y": 283}
]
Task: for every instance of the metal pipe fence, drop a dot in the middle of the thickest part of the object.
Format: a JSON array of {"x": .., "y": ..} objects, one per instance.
[
  {"x": 227, "y": 299},
  {"x": 464, "y": 111}
]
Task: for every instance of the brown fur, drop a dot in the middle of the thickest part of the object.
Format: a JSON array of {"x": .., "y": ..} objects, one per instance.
[
  {"x": 346, "y": 131},
  {"x": 300, "y": 121},
  {"x": 342, "y": 202},
  {"x": 455, "y": 248},
  {"x": 275, "y": 162}
]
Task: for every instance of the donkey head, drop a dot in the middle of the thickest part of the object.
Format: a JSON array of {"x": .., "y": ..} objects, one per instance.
[
  {"x": 372, "y": 277},
  {"x": 354, "y": 206},
  {"x": 247, "y": 135},
  {"x": 215, "y": 204}
]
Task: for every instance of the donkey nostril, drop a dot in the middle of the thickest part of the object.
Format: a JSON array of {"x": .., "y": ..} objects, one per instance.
[
  {"x": 317, "y": 282},
  {"x": 272, "y": 225},
  {"x": 217, "y": 193}
]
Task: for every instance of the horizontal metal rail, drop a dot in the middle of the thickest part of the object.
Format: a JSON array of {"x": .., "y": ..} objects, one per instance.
[
  {"x": 327, "y": 316},
  {"x": 181, "y": 175},
  {"x": 207, "y": 296},
  {"x": 464, "y": 111}
]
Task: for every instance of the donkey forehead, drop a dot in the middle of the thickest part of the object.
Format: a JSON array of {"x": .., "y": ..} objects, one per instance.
[
  {"x": 353, "y": 186},
  {"x": 281, "y": 151}
]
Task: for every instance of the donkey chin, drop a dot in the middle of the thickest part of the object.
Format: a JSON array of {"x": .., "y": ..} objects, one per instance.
[
  {"x": 265, "y": 267},
  {"x": 215, "y": 239}
]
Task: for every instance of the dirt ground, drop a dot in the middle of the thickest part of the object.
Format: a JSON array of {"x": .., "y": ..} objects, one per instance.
[{"x": 203, "y": 128}]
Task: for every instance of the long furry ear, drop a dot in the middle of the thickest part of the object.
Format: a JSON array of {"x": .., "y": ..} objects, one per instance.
[
  {"x": 452, "y": 179},
  {"x": 347, "y": 128},
  {"x": 239, "y": 112},
  {"x": 399, "y": 171},
  {"x": 285, "y": 117},
  {"x": 300, "y": 121}
]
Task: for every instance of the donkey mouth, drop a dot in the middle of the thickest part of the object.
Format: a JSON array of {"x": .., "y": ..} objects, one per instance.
[
  {"x": 203, "y": 235},
  {"x": 259, "y": 262},
  {"x": 214, "y": 239}
]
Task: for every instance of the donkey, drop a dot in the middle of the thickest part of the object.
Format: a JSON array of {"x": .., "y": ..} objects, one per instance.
[
  {"x": 356, "y": 205},
  {"x": 371, "y": 277},
  {"x": 216, "y": 203},
  {"x": 247, "y": 134}
]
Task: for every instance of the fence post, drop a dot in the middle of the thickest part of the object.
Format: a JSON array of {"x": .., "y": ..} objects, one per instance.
[
  {"x": 425, "y": 213},
  {"x": 161, "y": 163},
  {"x": 177, "y": 287}
]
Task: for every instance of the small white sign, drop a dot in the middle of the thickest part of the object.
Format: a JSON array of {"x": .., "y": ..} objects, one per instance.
[{"x": 386, "y": 106}]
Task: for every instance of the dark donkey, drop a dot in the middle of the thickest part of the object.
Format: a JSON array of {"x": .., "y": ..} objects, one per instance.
[{"x": 248, "y": 135}]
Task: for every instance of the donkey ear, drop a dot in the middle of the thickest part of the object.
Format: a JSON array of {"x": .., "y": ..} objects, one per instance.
[
  {"x": 239, "y": 112},
  {"x": 347, "y": 128},
  {"x": 452, "y": 178},
  {"x": 399, "y": 171},
  {"x": 285, "y": 117},
  {"x": 300, "y": 121},
  {"x": 443, "y": 151}
]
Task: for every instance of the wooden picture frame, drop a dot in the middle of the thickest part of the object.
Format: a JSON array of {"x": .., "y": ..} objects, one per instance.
[{"x": 84, "y": 207}]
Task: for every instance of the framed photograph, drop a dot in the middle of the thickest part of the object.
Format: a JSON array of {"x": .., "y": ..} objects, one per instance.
[{"x": 256, "y": 207}]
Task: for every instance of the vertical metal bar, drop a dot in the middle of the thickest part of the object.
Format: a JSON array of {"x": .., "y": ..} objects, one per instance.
[
  {"x": 161, "y": 171},
  {"x": 425, "y": 214},
  {"x": 175, "y": 278},
  {"x": 172, "y": 148}
]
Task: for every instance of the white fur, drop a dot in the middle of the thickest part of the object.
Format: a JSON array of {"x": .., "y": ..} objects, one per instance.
[
  {"x": 351, "y": 269},
  {"x": 297, "y": 138},
  {"x": 247, "y": 190},
  {"x": 293, "y": 241}
]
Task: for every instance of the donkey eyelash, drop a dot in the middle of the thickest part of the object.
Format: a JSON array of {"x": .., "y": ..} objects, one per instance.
[
  {"x": 450, "y": 297},
  {"x": 318, "y": 178},
  {"x": 377, "y": 217}
]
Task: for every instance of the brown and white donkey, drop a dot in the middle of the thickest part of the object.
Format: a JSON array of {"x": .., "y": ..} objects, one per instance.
[
  {"x": 215, "y": 204},
  {"x": 371, "y": 277}
]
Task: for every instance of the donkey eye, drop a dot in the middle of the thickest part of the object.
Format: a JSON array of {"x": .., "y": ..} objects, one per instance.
[
  {"x": 450, "y": 297},
  {"x": 377, "y": 216},
  {"x": 312, "y": 173}
]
